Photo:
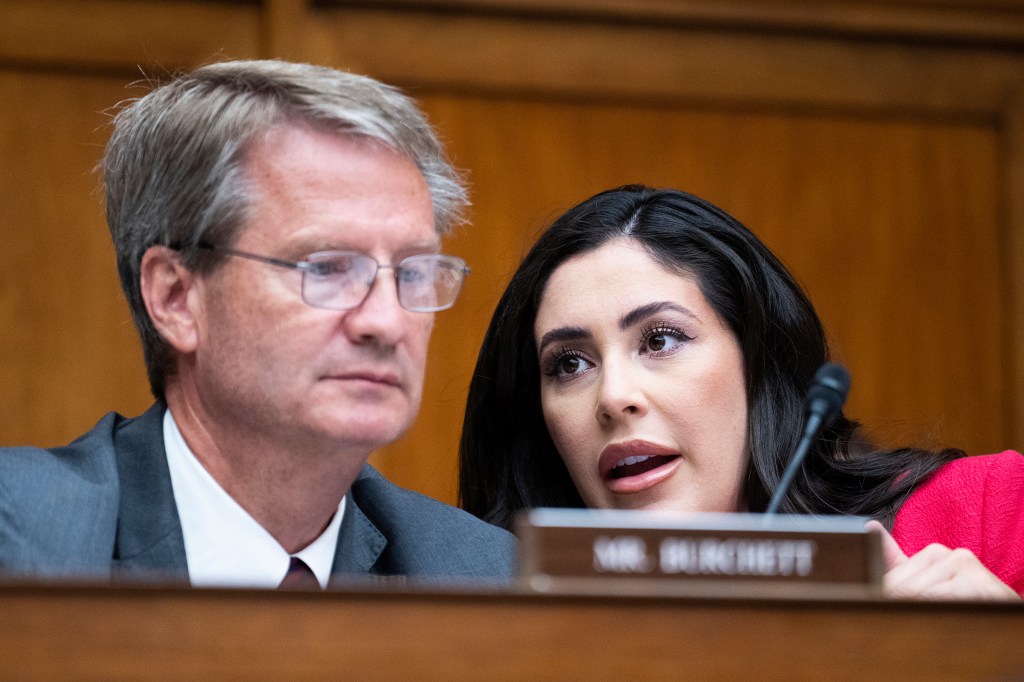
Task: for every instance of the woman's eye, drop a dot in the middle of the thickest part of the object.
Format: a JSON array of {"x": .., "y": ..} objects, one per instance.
[
  {"x": 663, "y": 341},
  {"x": 657, "y": 342},
  {"x": 569, "y": 365},
  {"x": 566, "y": 365}
]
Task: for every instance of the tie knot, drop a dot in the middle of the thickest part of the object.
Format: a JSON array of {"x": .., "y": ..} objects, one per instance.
[{"x": 299, "y": 577}]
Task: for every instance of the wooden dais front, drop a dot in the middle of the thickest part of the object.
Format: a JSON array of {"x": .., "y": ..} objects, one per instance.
[{"x": 93, "y": 632}]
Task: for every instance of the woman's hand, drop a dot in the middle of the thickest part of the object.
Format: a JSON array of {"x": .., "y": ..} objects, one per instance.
[{"x": 938, "y": 572}]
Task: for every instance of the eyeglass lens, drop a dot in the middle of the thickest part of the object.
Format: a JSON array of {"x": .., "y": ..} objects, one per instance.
[{"x": 340, "y": 281}]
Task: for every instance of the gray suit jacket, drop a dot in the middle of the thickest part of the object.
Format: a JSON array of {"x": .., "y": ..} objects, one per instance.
[{"x": 103, "y": 507}]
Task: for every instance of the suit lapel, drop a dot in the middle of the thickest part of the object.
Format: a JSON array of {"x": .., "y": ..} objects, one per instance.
[
  {"x": 360, "y": 543},
  {"x": 149, "y": 539}
]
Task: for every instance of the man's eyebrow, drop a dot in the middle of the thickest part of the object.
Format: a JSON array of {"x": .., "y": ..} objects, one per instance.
[
  {"x": 313, "y": 242},
  {"x": 418, "y": 248},
  {"x": 645, "y": 311},
  {"x": 562, "y": 334}
]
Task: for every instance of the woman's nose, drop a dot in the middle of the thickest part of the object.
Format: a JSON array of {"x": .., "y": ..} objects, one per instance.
[{"x": 621, "y": 392}]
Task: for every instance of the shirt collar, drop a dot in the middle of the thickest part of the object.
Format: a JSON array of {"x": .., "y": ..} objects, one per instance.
[{"x": 224, "y": 545}]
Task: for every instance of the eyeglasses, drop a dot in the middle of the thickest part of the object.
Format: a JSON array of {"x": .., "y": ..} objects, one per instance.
[{"x": 341, "y": 280}]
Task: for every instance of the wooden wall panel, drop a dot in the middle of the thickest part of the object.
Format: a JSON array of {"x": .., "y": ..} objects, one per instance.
[
  {"x": 68, "y": 351},
  {"x": 124, "y": 35},
  {"x": 1011, "y": 144},
  {"x": 626, "y": 61},
  {"x": 987, "y": 21}
]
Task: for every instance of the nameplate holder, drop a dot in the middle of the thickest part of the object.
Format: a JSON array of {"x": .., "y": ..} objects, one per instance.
[{"x": 644, "y": 552}]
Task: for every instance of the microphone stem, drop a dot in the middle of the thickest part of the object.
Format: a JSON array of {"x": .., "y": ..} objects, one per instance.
[{"x": 813, "y": 424}]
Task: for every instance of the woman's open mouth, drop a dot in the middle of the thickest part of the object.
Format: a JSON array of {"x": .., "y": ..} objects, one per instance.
[
  {"x": 639, "y": 464},
  {"x": 636, "y": 465}
]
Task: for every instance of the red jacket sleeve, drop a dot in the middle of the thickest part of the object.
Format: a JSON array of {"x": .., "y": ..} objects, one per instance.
[{"x": 976, "y": 503}]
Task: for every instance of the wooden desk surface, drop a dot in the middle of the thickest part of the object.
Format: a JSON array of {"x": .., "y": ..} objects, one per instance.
[{"x": 90, "y": 632}]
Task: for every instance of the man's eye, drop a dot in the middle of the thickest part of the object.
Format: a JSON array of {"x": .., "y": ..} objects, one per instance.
[
  {"x": 325, "y": 268},
  {"x": 411, "y": 275}
]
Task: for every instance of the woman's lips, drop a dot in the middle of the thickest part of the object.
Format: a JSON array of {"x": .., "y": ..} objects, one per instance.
[
  {"x": 640, "y": 464},
  {"x": 636, "y": 465}
]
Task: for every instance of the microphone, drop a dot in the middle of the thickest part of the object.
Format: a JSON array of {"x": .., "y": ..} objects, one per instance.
[{"x": 825, "y": 399}]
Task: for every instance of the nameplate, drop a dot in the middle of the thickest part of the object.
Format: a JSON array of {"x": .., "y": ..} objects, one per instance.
[{"x": 576, "y": 547}]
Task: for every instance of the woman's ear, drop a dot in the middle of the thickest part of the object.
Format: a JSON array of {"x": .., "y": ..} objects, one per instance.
[{"x": 167, "y": 287}]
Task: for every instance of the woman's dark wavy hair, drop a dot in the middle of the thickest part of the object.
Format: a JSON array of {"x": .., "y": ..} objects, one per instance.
[{"x": 507, "y": 459}]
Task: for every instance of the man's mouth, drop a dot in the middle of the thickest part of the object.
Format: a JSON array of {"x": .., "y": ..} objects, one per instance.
[{"x": 382, "y": 378}]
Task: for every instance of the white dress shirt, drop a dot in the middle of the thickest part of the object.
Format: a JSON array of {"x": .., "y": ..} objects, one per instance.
[{"x": 224, "y": 545}]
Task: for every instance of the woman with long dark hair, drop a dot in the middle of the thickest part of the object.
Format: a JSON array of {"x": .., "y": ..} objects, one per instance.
[{"x": 650, "y": 352}]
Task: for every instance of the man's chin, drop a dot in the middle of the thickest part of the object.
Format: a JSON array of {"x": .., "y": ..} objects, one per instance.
[
  {"x": 368, "y": 435},
  {"x": 365, "y": 424}
]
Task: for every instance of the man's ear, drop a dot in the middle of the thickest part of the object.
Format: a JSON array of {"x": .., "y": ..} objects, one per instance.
[{"x": 168, "y": 290}]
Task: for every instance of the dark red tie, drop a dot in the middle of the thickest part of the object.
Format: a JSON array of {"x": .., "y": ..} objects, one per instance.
[{"x": 299, "y": 577}]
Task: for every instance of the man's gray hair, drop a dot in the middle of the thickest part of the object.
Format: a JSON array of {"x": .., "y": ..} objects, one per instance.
[{"x": 173, "y": 167}]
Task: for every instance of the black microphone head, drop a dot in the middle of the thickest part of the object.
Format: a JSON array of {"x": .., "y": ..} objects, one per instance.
[{"x": 828, "y": 392}]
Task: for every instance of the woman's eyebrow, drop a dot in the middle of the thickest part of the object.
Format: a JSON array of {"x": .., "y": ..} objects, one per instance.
[
  {"x": 562, "y": 334},
  {"x": 645, "y": 311}
]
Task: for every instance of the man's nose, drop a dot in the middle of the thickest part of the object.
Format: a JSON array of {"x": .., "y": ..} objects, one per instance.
[{"x": 380, "y": 318}]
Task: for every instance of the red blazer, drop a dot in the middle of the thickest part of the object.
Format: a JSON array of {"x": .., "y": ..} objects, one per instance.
[{"x": 976, "y": 503}]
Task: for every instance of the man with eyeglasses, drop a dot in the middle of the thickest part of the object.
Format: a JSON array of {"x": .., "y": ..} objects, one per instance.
[{"x": 277, "y": 232}]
